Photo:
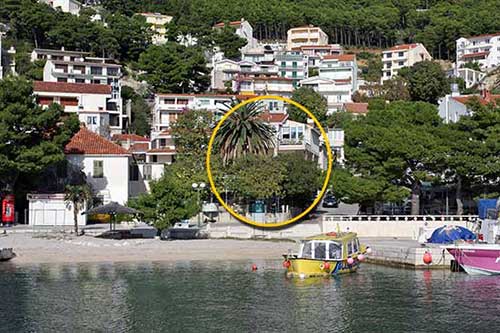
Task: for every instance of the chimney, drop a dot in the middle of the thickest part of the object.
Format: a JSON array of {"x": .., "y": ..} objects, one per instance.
[
  {"x": 486, "y": 95},
  {"x": 454, "y": 90}
]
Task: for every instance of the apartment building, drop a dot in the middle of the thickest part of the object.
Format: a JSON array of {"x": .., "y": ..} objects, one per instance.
[
  {"x": 315, "y": 53},
  {"x": 400, "y": 56},
  {"x": 262, "y": 54},
  {"x": 307, "y": 35},
  {"x": 76, "y": 67},
  {"x": 224, "y": 72},
  {"x": 481, "y": 49},
  {"x": 340, "y": 68},
  {"x": 259, "y": 85},
  {"x": 292, "y": 65},
  {"x": 454, "y": 106},
  {"x": 93, "y": 103},
  {"x": 158, "y": 22},
  {"x": 67, "y": 6},
  {"x": 243, "y": 29},
  {"x": 336, "y": 92}
]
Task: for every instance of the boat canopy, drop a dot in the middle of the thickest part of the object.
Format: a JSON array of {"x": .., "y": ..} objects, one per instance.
[{"x": 321, "y": 250}]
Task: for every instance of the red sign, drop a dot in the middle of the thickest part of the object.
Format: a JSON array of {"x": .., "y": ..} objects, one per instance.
[{"x": 8, "y": 209}]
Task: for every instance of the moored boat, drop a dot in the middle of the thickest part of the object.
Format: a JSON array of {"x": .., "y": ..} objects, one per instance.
[
  {"x": 325, "y": 255},
  {"x": 483, "y": 259}
]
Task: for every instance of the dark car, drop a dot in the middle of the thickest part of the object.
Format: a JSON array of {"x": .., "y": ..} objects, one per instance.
[{"x": 330, "y": 202}]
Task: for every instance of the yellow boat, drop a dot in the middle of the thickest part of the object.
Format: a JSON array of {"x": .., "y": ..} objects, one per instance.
[{"x": 325, "y": 255}]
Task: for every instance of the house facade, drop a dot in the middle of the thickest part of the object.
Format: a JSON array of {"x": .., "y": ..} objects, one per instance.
[
  {"x": 336, "y": 92},
  {"x": 158, "y": 22},
  {"x": 315, "y": 53},
  {"x": 306, "y": 35},
  {"x": 292, "y": 65},
  {"x": 91, "y": 102},
  {"x": 482, "y": 49},
  {"x": 400, "y": 56},
  {"x": 242, "y": 29},
  {"x": 105, "y": 164},
  {"x": 454, "y": 106},
  {"x": 67, "y": 6}
]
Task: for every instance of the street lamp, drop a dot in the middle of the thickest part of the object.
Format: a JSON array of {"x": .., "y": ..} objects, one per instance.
[{"x": 198, "y": 187}]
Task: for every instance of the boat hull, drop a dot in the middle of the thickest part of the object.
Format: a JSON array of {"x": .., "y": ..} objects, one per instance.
[
  {"x": 477, "y": 259},
  {"x": 6, "y": 254},
  {"x": 304, "y": 268}
]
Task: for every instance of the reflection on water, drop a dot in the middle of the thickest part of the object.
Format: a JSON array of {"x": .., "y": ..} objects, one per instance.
[{"x": 222, "y": 296}]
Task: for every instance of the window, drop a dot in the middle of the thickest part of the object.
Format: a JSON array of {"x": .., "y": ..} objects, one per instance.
[
  {"x": 283, "y": 73},
  {"x": 79, "y": 80},
  {"x": 113, "y": 71},
  {"x": 147, "y": 171},
  {"x": 300, "y": 133},
  {"x": 182, "y": 101},
  {"x": 293, "y": 133},
  {"x": 169, "y": 101},
  {"x": 155, "y": 158},
  {"x": 62, "y": 79},
  {"x": 349, "y": 248},
  {"x": 401, "y": 63},
  {"x": 400, "y": 54},
  {"x": 294, "y": 64},
  {"x": 163, "y": 143},
  {"x": 306, "y": 250},
  {"x": 96, "y": 81},
  {"x": 294, "y": 74},
  {"x": 335, "y": 251},
  {"x": 355, "y": 245},
  {"x": 133, "y": 172},
  {"x": 388, "y": 55},
  {"x": 96, "y": 70},
  {"x": 283, "y": 63},
  {"x": 286, "y": 133},
  {"x": 319, "y": 250},
  {"x": 91, "y": 120},
  {"x": 98, "y": 169}
]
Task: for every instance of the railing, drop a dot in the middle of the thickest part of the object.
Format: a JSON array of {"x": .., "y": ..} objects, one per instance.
[{"x": 399, "y": 218}]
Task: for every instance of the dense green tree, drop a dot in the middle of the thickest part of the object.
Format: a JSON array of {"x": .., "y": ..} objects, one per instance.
[
  {"x": 245, "y": 132},
  {"x": 228, "y": 42},
  {"x": 191, "y": 133},
  {"x": 302, "y": 181},
  {"x": 31, "y": 138},
  {"x": 140, "y": 123},
  {"x": 426, "y": 80},
  {"x": 395, "y": 149},
  {"x": 312, "y": 101},
  {"x": 396, "y": 89},
  {"x": 132, "y": 34},
  {"x": 174, "y": 68}
]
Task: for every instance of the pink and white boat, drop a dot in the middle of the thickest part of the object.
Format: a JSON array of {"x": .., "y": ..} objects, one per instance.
[{"x": 477, "y": 258}]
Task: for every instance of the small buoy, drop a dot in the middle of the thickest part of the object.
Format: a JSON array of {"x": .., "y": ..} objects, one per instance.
[
  {"x": 427, "y": 258},
  {"x": 322, "y": 266},
  {"x": 286, "y": 263},
  {"x": 254, "y": 267},
  {"x": 368, "y": 250},
  {"x": 361, "y": 257},
  {"x": 326, "y": 265},
  {"x": 350, "y": 261}
]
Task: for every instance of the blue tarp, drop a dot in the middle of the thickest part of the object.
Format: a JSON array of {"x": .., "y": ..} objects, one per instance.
[
  {"x": 449, "y": 234},
  {"x": 484, "y": 205}
]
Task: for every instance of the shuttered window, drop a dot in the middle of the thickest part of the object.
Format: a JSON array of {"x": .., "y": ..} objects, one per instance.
[{"x": 98, "y": 169}]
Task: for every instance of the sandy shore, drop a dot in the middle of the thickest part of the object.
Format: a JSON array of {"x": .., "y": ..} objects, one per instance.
[{"x": 53, "y": 248}]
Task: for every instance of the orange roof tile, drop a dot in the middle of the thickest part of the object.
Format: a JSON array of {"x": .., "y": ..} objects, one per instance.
[
  {"x": 474, "y": 55},
  {"x": 79, "y": 88},
  {"x": 131, "y": 137},
  {"x": 139, "y": 147},
  {"x": 403, "y": 47},
  {"x": 233, "y": 23},
  {"x": 86, "y": 142},
  {"x": 274, "y": 117},
  {"x": 341, "y": 57},
  {"x": 485, "y": 35},
  {"x": 356, "y": 107}
]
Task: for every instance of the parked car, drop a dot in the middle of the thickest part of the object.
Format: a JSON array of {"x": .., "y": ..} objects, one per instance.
[{"x": 330, "y": 201}]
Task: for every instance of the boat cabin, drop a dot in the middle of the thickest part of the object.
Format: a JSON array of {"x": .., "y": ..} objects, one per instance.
[{"x": 327, "y": 249}]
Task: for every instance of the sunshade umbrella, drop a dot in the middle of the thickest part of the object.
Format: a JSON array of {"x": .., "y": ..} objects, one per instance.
[{"x": 112, "y": 209}]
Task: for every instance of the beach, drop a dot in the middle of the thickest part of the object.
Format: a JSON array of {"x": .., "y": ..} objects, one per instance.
[{"x": 34, "y": 248}]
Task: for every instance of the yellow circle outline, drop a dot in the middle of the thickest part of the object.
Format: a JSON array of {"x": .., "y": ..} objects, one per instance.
[{"x": 325, "y": 183}]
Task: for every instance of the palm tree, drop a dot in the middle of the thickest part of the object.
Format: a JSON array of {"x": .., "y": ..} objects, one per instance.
[
  {"x": 77, "y": 195},
  {"x": 245, "y": 132}
]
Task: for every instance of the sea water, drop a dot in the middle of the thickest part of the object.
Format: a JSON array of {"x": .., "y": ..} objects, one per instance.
[{"x": 230, "y": 297}]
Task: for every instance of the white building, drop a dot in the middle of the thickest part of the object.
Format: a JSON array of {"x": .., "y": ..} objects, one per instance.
[
  {"x": 336, "y": 92},
  {"x": 63, "y": 66},
  {"x": 158, "y": 22},
  {"x": 453, "y": 106},
  {"x": 105, "y": 164},
  {"x": 400, "y": 56},
  {"x": 307, "y": 35},
  {"x": 315, "y": 53},
  {"x": 93, "y": 103},
  {"x": 292, "y": 65},
  {"x": 1, "y": 63},
  {"x": 482, "y": 49},
  {"x": 67, "y": 6},
  {"x": 261, "y": 85},
  {"x": 224, "y": 72},
  {"x": 243, "y": 29}
]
